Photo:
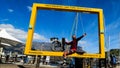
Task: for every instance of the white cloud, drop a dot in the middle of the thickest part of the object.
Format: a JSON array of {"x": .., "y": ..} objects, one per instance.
[
  {"x": 40, "y": 37},
  {"x": 113, "y": 42},
  {"x": 29, "y": 8},
  {"x": 21, "y": 34},
  {"x": 113, "y": 26},
  {"x": 113, "y": 30},
  {"x": 10, "y": 10},
  {"x": 82, "y": 42}
]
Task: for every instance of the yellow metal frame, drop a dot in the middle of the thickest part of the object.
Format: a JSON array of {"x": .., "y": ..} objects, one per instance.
[{"x": 37, "y": 6}]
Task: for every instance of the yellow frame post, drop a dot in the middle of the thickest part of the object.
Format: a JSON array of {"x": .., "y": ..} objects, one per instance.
[{"x": 37, "y": 6}]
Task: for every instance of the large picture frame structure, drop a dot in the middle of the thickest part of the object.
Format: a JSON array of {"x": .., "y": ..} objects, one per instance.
[{"x": 37, "y": 6}]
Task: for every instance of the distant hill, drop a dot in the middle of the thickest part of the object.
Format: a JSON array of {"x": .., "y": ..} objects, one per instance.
[{"x": 42, "y": 46}]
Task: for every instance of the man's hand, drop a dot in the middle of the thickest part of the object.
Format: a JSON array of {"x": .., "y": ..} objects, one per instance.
[{"x": 84, "y": 34}]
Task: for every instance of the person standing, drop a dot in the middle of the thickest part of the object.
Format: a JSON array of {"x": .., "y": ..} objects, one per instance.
[{"x": 47, "y": 60}]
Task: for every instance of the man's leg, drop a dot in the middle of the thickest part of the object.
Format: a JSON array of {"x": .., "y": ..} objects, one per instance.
[
  {"x": 66, "y": 53},
  {"x": 65, "y": 56}
]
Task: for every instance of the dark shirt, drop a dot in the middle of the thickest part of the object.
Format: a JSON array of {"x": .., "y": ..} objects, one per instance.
[{"x": 74, "y": 42}]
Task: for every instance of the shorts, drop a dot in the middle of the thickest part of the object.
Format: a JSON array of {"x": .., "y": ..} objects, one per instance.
[{"x": 71, "y": 51}]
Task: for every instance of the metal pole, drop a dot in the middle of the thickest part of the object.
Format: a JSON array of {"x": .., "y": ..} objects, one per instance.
[
  {"x": 100, "y": 63},
  {"x": 38, "y": 62},
  {"x": 109, "y": 51},
  {"x": 119, "y": 45},
  {"x": 108, "y": 47}
]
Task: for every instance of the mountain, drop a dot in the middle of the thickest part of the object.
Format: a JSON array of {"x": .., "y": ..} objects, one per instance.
[{"x": 42, "y": 46}]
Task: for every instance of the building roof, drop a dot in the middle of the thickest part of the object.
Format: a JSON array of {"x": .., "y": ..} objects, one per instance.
[{"x": 5, "y": 37}]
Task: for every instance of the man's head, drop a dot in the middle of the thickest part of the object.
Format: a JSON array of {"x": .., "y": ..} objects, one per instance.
[{"x": 73, "y": 37}]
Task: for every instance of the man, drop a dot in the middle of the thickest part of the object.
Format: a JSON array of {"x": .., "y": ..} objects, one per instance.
[{"x": 73, "y": 47}]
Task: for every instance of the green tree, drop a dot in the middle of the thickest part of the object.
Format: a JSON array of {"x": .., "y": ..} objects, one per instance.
[{"x": 115, "y": 51}]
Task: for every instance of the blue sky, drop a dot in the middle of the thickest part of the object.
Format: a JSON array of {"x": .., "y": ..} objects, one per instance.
[{"x": 15, "y": 17}]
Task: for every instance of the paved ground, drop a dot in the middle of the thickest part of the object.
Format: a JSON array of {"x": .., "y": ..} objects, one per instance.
[
  {"x": 25, "y": 66},
  {"x": 8, "y": 66},
  {"x": 31, "y": 66},
  {"x": 118, "y": 66}
]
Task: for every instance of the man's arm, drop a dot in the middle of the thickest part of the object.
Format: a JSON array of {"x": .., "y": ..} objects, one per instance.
[
  {"x": 79, "y": 38},
  {"x": 64, "y": 42},
  {"x": 68, "y": 43}
]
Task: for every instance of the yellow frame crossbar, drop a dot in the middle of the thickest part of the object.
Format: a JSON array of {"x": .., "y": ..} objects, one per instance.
[{"x": 37, "y": 6}]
